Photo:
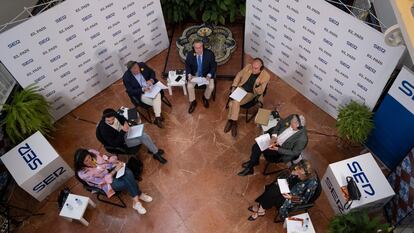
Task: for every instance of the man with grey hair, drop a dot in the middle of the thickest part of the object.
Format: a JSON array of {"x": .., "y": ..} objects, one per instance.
[{"x": 288, "y": 139}]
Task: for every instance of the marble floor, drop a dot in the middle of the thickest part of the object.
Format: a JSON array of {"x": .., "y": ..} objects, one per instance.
[{"x": 198, "y": 190}]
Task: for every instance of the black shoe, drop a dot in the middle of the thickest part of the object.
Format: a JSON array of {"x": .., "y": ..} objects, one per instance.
[
  {"x": 234, "y": 129},
  {"x": 227, "y": 128},
  {"x": 158, "y": 122},
  {"x": 192, "y": 106},
  {"x": 158, "y": 156},
  {"x": 205, "y": 102},
  {"x": 247, "y": 171},
  {"x": 245, "y": 164}
]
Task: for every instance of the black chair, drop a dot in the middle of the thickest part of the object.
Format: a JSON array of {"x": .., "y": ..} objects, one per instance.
[
  {"x": 203, "y": 87},
  {"x": 114, "y": 149},
  {"x": 99, "y": 193},
  {"x": 290, "y": 163},
  {"x": 303, "y": 208},
  {"x": 252, "y": 103},
  {"x": 147, "y": 108}
]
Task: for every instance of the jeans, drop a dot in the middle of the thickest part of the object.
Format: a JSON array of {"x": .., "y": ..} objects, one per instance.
[
  {"x": 126, "y": 182},
  {"x": 144, "y": 139}
]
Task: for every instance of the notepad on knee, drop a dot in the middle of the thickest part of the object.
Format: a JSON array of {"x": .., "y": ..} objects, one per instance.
[
  {"x": 135, "y": 131},
  {"x": 283, "y": 186}
]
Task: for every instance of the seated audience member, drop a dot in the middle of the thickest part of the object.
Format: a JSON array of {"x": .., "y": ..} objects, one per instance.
[
  {"x": 99, "y": 171},
  {"x": 253, "y": 79},
  {"x": 302, "y": 184},
  {"x": 113, "y": 129},
  {"x": 138, "y": 79},
  {"x": 288, "y": 139},
  {"x": 200, "y": 62}
]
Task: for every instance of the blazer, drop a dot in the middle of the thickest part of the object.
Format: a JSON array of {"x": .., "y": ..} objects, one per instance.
[
  {"x": 209, "y": 63},
  {"x": 111, "y": 136},
  {"x": 132, "y": 85},
  {"x": 244, "y": 75},
  {"x": 295, "y": 144}
]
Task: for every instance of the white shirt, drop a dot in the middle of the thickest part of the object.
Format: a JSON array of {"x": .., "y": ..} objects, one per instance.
[
  {"x": 116, "y": 125},
  {"x": 287, "y": 133}
]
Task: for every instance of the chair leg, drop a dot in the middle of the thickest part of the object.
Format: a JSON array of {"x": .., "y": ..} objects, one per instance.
[
  {"x": 149, "y": 115},
  {"x": 247, "y": 115},
  {"x": 266, "y": 172},
  {"x": 214, "y": 93},
  {"x": 122, "y": 205},
  {"x": 143, "y": 116},
  {"x": 248, "y": 119},
  {"x": 166, "y": 101}
]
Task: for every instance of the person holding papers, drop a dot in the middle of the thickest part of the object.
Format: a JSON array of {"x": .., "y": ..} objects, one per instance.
[
  {"x": 302, "y": 184},
  {"x": 113, "y": 129},
  {"x": 200, "y": 69},
  {"x": 101, "y": 171},
  {"x": 252, "y": 79},
  {"x": 285, "y": 142},
  {"x": 139, "y": 80}
]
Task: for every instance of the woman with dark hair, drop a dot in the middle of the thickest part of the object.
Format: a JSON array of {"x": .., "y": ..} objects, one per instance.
[
  {"x": 98, "y": 170},
  {"x": 302, "y": 185}
]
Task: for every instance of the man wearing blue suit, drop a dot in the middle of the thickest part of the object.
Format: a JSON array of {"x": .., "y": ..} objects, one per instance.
[
  {"x": 139, "y": 79},
  {"x": 201, "y": 62}
]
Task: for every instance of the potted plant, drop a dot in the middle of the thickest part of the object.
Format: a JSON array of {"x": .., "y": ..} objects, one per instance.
[
  {"x": 218, "y": 11},
  {"x": 27, "y": 113},
  {"x": 356, "y": 222},
  {"x": 354, "y": 122}
]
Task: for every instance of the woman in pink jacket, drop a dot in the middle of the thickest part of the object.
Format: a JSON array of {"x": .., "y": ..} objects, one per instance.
[{"x": 99, "y": 171}]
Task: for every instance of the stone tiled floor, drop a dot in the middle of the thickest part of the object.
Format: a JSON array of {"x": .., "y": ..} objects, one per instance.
[{"x": 198, "y": 190}]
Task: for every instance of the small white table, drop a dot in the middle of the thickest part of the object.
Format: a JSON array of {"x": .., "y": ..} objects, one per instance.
[
  {"x": 294, "y": 226},
  {"x": 73, "y": 209},
  {"x": 172, "y": 83}
]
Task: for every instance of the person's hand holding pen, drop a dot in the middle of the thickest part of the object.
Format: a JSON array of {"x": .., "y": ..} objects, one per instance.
[{"x": 273, "y": 143}]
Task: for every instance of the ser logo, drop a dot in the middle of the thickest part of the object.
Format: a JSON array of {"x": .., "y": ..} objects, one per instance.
[
  {"x": 407, "y": 88},
  {"x": 49, "y": 179},
  {"x": 361, "y": 178},
  {"x": 29, "y": 156}
]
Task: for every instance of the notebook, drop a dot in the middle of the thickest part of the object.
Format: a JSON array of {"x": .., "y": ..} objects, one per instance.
[{"x": 135, "y": 131}]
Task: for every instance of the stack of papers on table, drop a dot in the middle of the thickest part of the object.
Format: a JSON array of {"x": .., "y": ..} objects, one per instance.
[{"x": 238, "y": 94}]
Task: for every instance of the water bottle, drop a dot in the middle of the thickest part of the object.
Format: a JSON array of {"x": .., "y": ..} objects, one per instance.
[
  {"x": 70, "y": 207},
  {"x": 78, "y": 201},
  {"x": 305, "y": 224}
]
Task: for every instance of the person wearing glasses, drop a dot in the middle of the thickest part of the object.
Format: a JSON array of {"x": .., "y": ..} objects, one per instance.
[
  {"x": 302, "y": 184},
  {"x": 113, "y": 129},
  {"x": 288, "y": 139}
]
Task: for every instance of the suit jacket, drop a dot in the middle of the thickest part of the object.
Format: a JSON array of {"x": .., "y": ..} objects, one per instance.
[
  {"x": 209, "y": 63},
  {"x": 295, "y": 144},
  {"x": 244, "y": 75},
  {"x": 111, "y": 136},
  {"x": 132, "y": 85}
]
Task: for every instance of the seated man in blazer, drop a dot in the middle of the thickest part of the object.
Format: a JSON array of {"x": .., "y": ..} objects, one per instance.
[
  {"x": 113, "y": 129},
  {"x": 200, "y": 62},
  {"x": 138, "y": 79},
  {"x": 253, "y": 79},
  {"x": 288, "y": 139}
]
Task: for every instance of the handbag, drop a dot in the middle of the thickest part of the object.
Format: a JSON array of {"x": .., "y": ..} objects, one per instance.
[
  {"x": 353, "y": 192},
  {"x": 63, "y": 195}
]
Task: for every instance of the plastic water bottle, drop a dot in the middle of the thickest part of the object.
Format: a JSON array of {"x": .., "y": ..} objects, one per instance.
[
  {"x": 78, "y": 201},
  {"x": 70, "y": 207},
  {"x": 305, "y": 224}
]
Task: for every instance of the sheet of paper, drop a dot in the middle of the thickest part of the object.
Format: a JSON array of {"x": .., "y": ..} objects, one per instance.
[
  {"x": 283, "y": 186},
  {"x": 294, "y": 226},
  {"x": 161, "y": 85},
  {"x": 263, "y": 141},
  {"x": 200, "y": 81},
  {"x": 155, "y": 89},
  {"x": 121, "y": 171},
  {"x": 135, "y": 131},
  {"x": 238, "y": 94}
]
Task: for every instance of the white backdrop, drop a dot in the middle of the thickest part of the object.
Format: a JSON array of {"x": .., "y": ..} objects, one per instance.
[
  {"x": 78, "y": 48},
  {"x": 327, "y": 55}
]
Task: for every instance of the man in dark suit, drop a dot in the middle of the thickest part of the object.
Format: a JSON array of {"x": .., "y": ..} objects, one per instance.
[
  {"x": 201, "y": 62},
  {"x": 113, "y": 129},
  {"x": 288, "y": 139},
  {"x": 139, "y": 79}
]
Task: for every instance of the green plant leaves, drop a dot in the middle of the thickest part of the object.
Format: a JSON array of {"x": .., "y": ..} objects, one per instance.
[
  {"x": 354, "y": 122},
  {"x": 27, "y": 113},
  {"x": 355, "y": 222}
]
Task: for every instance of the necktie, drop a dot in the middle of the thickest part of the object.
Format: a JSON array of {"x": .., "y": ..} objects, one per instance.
[{"x": 199, "y": 66}]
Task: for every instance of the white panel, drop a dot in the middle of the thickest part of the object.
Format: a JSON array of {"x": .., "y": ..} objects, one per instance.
[
  {"x": 324, "y": 53},
  {"x": 78, "y": 48}
]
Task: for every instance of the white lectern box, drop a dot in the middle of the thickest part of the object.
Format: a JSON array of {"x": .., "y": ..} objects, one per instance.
[
  {"x": 374, "y": 187},
  {"x": 36, "y": 166}
]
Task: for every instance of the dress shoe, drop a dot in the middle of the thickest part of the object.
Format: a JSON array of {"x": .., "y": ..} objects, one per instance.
[
  {"x": 205, "y": 102},
  {"x": 158, "y": 122},
  {"x": 192, "y": 106},
  {"x": 227, "y": 128},
  {"x": 234, "y": 129},
  {"x": 246, "y": 171},
  {"x": 158, "y": 156},
  {"x": 246, "y": 164}
]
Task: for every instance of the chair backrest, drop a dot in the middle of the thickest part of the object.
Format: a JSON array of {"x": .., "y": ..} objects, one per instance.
[
  {"x": 318, "y": 190},
  {"x": 99, "y": 136}
]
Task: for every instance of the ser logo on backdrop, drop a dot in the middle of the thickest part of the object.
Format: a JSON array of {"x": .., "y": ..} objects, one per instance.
[{"x": 407, "y": 88}]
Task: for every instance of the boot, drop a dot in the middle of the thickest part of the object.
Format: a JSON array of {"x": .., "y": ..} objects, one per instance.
[{"x": 228, "y": 126}]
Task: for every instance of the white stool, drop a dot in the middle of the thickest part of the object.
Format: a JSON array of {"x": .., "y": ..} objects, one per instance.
[
  {"x": 172, "y": 83},
  {"x": 75, "y": 207},
  {"x": 294, "y": 224}
]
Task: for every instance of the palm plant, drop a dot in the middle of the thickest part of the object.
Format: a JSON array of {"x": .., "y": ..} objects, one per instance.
[
  {"x": 354, "y": 122},
  {"x": 356, "y": 222},
  {"x": 27, "y": 113}
]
